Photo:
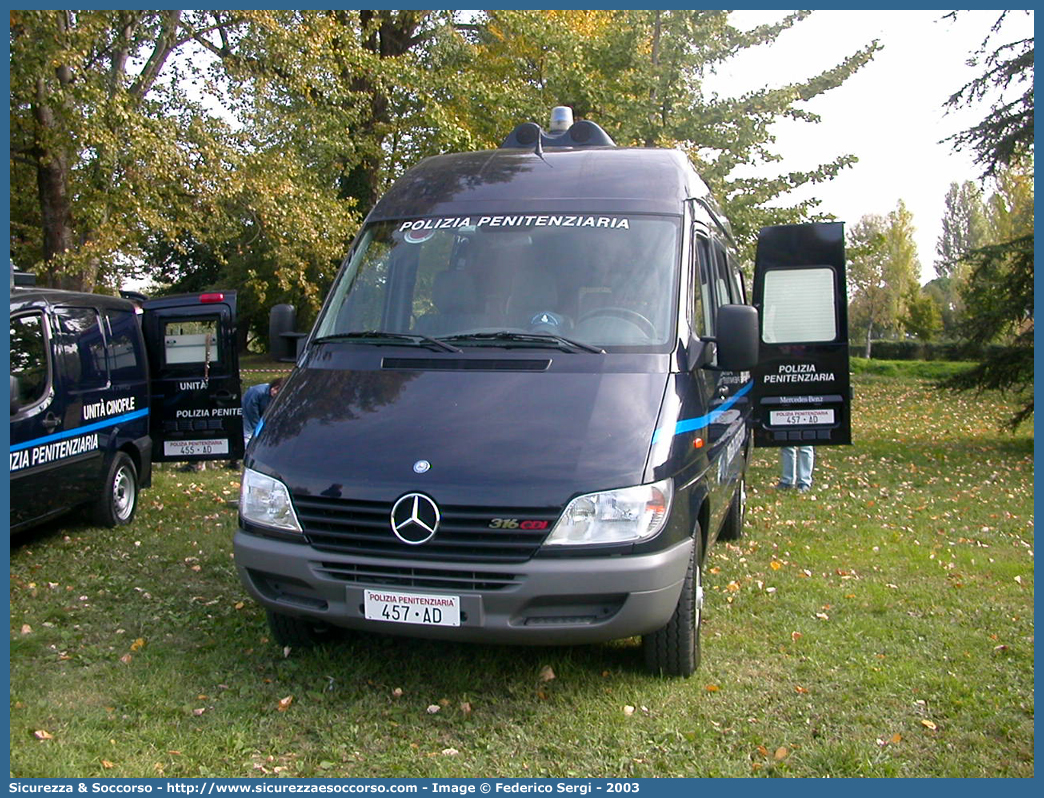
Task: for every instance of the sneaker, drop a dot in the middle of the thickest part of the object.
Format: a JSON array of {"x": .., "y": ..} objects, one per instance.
[
  {"x": 782, "y": 486},
  {"x": 804, "y": 488}
]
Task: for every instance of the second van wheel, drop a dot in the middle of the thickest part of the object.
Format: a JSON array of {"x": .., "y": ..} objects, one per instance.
[
  {"x": 732, "y": 527},
  {"x": 118, "y": 498},
  {"x": 289, "y": 630},
  {"x": 674, "y": 650}
]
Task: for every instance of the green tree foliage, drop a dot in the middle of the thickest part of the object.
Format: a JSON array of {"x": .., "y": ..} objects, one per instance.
[
  {"x": 1005, "y": 135},
  {"x": 882, "y": 275},
  {"x": 869, "y": 291},
  {"x": 320, "y": 110},
  {"x": 923, "y": 316},
  {"x": 963, "y": 227},
  {"x": 998, "y": 295},
  {"x": 641, "y": 74},
  {"x": 107, "y": 139}
]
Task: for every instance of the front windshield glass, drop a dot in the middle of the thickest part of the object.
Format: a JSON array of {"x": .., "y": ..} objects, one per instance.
[{"x": 607, "y": 281}]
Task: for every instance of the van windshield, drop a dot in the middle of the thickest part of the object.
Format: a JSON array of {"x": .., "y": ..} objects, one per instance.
[{"x": 514, "y": 280}]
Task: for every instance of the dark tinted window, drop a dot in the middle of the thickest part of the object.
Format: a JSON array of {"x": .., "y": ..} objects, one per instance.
[
  {"x": 125, "y": 356},
  {"x": 607, "y": 280},
  {"x": 29, "y": 362},
  {"x": 82, "y": 348}
]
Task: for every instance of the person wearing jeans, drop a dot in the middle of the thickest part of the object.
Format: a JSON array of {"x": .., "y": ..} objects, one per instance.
[{"x": 796, "y": 463}]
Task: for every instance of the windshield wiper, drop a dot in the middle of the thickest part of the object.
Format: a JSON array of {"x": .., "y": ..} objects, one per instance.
[
  {"x": 538, "y": 338},
  {"x": 380, "y": 337}
]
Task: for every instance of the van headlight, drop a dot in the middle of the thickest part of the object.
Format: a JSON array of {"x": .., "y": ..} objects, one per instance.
[
  {"x": 266, "y": 501},
  {"x": 614, "y": 516}
]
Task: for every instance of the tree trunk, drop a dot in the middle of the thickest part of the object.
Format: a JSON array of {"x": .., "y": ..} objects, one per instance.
[
  {"x": 52, "y": 181},
  {"x": 869, "y": 333}
]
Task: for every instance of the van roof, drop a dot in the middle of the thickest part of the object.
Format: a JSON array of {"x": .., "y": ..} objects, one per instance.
[
  {"x": 588, "y": 180},
  {"x": 30, "y": 297}
]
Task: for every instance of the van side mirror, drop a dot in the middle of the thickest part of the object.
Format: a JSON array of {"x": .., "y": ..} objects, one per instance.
[
  {"x": 737, "y": 337},
  {"x": 16, "y": 393}
]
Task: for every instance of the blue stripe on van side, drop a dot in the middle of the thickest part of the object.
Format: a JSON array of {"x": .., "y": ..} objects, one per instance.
[
  {"x": 689, "y": 424},
  {"x": 58, "y": 436}
]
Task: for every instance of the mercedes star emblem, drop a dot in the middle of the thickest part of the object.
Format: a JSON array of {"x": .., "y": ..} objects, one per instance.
[{"x": 414, "y": 518}]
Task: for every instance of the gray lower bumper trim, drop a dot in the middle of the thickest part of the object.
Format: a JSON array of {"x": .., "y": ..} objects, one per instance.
[{"x": 543, "y": 602}]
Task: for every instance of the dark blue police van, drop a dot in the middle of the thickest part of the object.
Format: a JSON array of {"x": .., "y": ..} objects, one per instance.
[
  {"x": 101, "y": 389},
  {"x": 525, "y": 410}
]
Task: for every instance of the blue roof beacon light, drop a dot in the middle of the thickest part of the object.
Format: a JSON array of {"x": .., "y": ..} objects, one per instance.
[{"x": 563, "y": 132}]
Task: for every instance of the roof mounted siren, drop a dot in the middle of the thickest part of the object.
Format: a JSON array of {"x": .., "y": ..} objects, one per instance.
[{"x": 563, "y": 132}]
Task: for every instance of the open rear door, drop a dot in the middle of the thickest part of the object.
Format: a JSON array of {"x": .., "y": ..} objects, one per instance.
[
  {"x": 196, "y": 406},
  {"x": 801, "y": 388}
]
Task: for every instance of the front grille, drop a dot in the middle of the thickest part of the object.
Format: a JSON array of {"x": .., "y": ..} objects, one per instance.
[
  {"x": 428, "y": 578},
  {"x": 464, "y": 534}
]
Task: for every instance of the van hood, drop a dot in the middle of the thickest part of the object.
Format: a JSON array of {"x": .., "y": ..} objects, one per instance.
[{"x": 505, "y": 438}]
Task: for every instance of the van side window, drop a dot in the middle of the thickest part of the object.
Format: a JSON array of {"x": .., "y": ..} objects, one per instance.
[
  {"x": 798, "y": 306},
  {"x": 124, "y": 354},
  {"x": 29, "y": 361},
  {"x": 739, "y": 287},
  {"x": 721, "y": 276},
  {"x": 81, "y": 345},
  {"x": 707, "y": 296}
]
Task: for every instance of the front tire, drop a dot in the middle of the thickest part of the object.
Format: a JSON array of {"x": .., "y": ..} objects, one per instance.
[
  {"x": 674, "y": 650},
  {"x": 118, "y": 500}
]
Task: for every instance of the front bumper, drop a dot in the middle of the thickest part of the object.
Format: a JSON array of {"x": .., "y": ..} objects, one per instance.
[{"x": 544, "y": 601}]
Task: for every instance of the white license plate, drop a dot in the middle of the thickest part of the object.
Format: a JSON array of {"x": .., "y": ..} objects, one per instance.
[
  {"x": 396, "y": 607},
  {"x": 183, "y": 448},
  {"x": 786, "y": 418}
]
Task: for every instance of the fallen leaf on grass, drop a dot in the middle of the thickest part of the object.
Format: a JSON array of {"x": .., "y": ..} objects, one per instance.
[
  {"x": 929, "y": 724},
  {"x": 284, "y": 703},
  {"x": 628, "y": 710},
  {"x": 450, "y": 752},
  {"x": 712, "y": 688},
  {"x": 762, "y": 750},
  {"x": 547, "y": 673},
  {"x": 27, "y": 629},
  {"x": 781, "y": 753},
  {"x": 397, "y": 692},
  {"x": 200, "y": 711},
  {"x": 795, "y": 635},
  {"x": 107, "y": 764},
  {"x": 896, "y": 738},
  {"x": 775, "y": 565},
  {"x": 126, "y": 659},
  {"x": 822, "y": 616},
  {"x": 801, "y": 689},
  {"x": 433, "y": 708},
  {"x": 138, "y": 644},
  {"x": 40, "y": 734},
  {"x": 465, "y": 707}
]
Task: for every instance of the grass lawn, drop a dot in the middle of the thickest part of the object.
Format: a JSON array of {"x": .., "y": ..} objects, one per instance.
[{"x": 881, "y": 625}]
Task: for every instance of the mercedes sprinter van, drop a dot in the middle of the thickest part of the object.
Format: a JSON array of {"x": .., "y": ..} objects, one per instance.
[{"x": 525, "y": 410}]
